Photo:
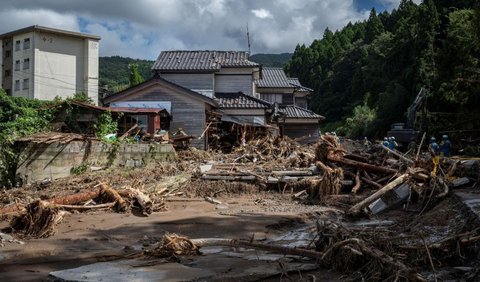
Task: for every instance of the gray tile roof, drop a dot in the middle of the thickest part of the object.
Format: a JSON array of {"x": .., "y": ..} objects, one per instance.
[
  {"x": 295, "y": 82},
  {"x": 201, "y": 60},
  {"x": 292, "y": 111},
  {"x": 240, "y": 101},
  {"x": 274, "y": 77}
]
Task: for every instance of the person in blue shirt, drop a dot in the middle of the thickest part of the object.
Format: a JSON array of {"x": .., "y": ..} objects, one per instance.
[
  {"x": 433, "y": 147},
  {"x": 385, "y": 142},
  {"x": 392, "y": 143},
  {"x": 445, "y": 146}
]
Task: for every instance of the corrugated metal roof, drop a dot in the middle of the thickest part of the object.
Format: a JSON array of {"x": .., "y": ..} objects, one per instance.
[
  {"x": 240, "y": 101},
  {"x": 274, "y": 77},
  {"x": 201, "y": 60},
  {"x": 292, "y": 111}
]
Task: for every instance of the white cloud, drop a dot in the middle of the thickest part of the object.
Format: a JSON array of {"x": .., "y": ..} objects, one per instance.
[
  {"x": 262, "y": 14},
  {"x": 143, "y": 28},
  {"x": 11, "y": 19}
]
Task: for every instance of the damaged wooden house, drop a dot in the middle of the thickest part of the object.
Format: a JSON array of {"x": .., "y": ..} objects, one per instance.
[{"x": 221, "y": 97}]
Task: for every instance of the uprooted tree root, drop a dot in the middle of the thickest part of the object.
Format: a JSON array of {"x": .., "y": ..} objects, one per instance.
[
  {"x": 38, "y": 221},
  {"x": 172, "y": 245}
]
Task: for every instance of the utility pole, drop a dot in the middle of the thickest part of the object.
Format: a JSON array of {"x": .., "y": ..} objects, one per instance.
[{"x": 248, "y": 39}]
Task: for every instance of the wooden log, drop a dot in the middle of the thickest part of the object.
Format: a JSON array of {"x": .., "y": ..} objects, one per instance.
[
  {"x": 368, "y": 167},
  {"x": 109, "y": 194},
  {"x": 75, "y": 198},
  {"x": 231, "y": 178},
  {"x": 358, "y": 183},
  {"x": 402, "y": 157},
  {"x": 292, "y": 172},
  {"x": 364, "y": 179},
  {"x": 77, "y": 207},
  {"x": 146, "y": 205},
  {"x": 63, "y": 200},
  {"x": 420, "y": 147},
  {"x": 357, "y": 209}
]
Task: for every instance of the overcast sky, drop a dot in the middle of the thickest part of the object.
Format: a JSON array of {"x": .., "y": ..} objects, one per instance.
[{"x": 143, "y": 28}]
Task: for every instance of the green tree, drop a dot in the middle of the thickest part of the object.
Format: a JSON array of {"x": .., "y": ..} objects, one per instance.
[
  {"x": 356, "y": 126},
  {"x": 135, "y": 76},
  {"x": 82, "y": 97},
  {"x": 374, "y": 27}
]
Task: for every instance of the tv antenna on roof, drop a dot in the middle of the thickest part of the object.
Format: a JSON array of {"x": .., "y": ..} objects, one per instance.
[{"x": 248, "y": 39}]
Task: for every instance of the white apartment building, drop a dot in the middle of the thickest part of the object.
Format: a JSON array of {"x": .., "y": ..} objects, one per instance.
[{"x": 41, "y": 62}]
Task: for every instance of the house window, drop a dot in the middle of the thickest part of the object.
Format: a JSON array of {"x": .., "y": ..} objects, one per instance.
[
  {"x": 17, "y": 65},
  {"x": 7, "y": 73},
  {"x": 26, "y": 64},
  {"x": 8, "y": 53},
  {"x": 26, "y": 43},
  {"x": 272, "y": 98},
  {"x": 17, "y": 45},
  {"x": 26, "y": 84},
  {"x": 17, "y": 85}
]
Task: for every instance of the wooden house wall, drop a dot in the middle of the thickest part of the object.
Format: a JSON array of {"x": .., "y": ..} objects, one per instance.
[
  {"x": 187, "y": 112},
  {"x": 234, "y": 84},
  {"x": 194, "y": 81}
]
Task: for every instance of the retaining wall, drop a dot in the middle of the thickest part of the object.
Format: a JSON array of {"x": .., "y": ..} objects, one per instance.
[{"x": 40, "y": 161}]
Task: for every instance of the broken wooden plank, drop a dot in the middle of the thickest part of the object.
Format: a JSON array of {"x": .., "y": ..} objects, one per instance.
[{"x": 231, "y": 178}]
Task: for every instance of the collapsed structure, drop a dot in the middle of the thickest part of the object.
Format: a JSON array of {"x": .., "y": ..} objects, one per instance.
[{"x": 214, "y": 94}]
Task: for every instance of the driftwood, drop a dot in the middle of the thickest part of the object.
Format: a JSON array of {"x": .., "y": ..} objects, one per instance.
[
  {"x": 109, "y": 194},
  {"x": 368, "y": 167},
  {"x": 358, "y": 183},
  {"x": 146, "y": 205},
  {"x": 78, "y": 207},
  {"x": 398, "y": 155},
  {"x": 38, "y": 221},
  {"x": 357, "y": 209}
]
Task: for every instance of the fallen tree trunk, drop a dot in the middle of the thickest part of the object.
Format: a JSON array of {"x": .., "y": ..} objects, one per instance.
[
  {"x": 357, "y": 209},
  {"x": 146, "y": 205},
  {"x": 368, "y": 167},
  {"x": 75, "y": 198}
]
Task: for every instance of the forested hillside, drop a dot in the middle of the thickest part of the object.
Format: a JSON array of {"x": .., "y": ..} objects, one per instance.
[
  {"x": 272, "y": 60},
  {"x": 366, "y": 75},
  {"x": 115, "y": 73}
]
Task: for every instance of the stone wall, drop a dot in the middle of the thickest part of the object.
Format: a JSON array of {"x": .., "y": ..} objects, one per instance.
[{"x": 40, "y": 161}]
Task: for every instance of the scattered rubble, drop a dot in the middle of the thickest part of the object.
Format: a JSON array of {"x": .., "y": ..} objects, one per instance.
[{"x": 427, "y": 232}]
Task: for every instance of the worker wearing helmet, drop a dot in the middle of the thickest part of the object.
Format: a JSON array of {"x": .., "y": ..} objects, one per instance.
[
  {"x": 385, "y": 142},
  {"x": 433, "y": 147},
  {"x": 445, "y": 146},
  {"x": 392, "y": 143}
]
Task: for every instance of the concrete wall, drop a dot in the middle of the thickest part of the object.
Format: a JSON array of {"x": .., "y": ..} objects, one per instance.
[
  {"x": 65, "y": 65},
  {"x": 22, "y": 74},
  {"x": 40, "y": 161}
]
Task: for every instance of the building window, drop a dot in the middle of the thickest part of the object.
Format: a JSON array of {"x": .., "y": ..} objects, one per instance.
[
  {"x": 7, "y": 73},
  {"x": 17, "y": 45},
  {"x": 26, "y": 84},
  {"x": 26, "y": 43},
  {"x": 26, "y": 64},
  {"x": 17, "y": 85},
  {"x": 8, "y": 53},
  {"x": 17, "y": 65},
  {"x": 272, "y": 98}
]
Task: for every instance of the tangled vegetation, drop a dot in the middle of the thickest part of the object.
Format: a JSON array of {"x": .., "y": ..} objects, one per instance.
[{"x": 18, "y": 117}]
